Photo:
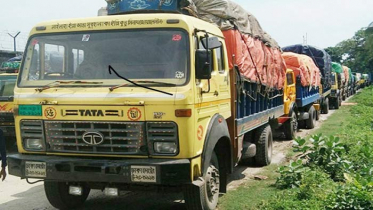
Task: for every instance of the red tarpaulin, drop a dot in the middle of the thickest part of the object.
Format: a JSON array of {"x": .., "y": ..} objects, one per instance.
[
  {"x": 347, "y": 74},
  {"x": 303, "y": 66},
  {"x": 256, "y": 61}
]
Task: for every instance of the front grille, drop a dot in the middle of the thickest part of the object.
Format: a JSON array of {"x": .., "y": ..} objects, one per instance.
[
  {"x": 125, "y": 138},
  {"x": 162, "y": 131},
  {"x": 6, "y": 117},
  {"x": 32, "y": 129}
]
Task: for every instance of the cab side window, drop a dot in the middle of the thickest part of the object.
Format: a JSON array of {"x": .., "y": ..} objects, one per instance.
[
  {"x": 219, "y": 54},
  {"x": 289, "y": 78}
]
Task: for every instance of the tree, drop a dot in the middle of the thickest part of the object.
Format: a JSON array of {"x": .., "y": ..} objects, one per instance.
[{"x": 356, "y": 53}]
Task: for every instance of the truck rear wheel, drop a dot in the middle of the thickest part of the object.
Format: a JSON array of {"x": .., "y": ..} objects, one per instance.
[
  {"x": 311, "y": 121},
  {"x": 205, "y": 197},
  {"x": 291, "y": 127},
  {"x": 263, "y": 141},
  {"x": 325, "y": 107},
  {"x": 58, "y": 195}
]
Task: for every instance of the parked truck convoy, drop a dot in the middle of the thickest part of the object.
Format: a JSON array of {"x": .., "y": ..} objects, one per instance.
[{"x": 151, "y": 97}]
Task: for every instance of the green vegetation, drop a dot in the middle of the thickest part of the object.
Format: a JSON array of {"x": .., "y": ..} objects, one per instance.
[
  {"x": 332, "y": 171},
  {"x": 356, "y": 53}
]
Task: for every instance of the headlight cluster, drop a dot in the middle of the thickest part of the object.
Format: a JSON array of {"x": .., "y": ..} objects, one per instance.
[
  {"x": 32, "y": 135},
  {"x": 162, "y": 138}
]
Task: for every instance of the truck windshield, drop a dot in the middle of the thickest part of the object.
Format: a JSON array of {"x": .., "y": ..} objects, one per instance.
[
  {"x": 148, "y": 55},
  {"x": 7, "y": 83}
]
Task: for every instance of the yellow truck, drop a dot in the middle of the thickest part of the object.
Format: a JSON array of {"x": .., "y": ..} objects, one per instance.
[
  {"x": 138, "y": 102},
  {"x": 8, "y": 79}
]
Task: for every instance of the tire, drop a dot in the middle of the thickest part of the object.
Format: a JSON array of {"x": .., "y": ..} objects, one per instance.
[
  {"x": 336, "y": 103},
  {"x": 206, "y": 198},
  {"x": 58, "y": 195},
  {"x": 318, "y": 113},
  {"x": 264, "y": 143},
  {"x": 325, "y": 107},
  {"x": 311, "y": 121},
  {"x": 291, "y": 127}
]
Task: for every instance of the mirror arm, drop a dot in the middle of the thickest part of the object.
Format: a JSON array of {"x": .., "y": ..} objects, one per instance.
[{"x": 209, "y": 88}]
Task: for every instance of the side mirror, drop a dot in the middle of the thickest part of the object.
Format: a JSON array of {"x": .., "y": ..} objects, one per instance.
[
  {"x": 211, "y": 43},
  {"x": 203, "y": 64}
]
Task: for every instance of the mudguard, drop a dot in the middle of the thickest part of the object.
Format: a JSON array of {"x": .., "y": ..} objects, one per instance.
[
  {"x": 293, "y": 108},
  {"x": 216, "y": 130}
]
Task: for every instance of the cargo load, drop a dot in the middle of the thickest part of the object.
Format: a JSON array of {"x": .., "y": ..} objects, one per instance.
[
  {"x": 351, "y": 78},
  {"x": 337, "y": 68},
  {"x": 256, "y": 54},
  {"x": 304, "y": 67},
  {"x": 346, "y": 74},
  {"x": 321, "y": 58},
  {"x": 253, "y": 51}
]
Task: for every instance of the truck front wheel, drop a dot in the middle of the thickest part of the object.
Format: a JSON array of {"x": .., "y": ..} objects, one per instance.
[
  {"x": 206, "y": 196},
  {"x": 58, "y": 195},
  {"x": 263, "y": 141},
  {"x": 291, "y": 127}
]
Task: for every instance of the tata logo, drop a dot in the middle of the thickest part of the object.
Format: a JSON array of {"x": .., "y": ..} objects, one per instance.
[
  {"x": 93, "y": 138},
  {"x": 93, "y": 113}
]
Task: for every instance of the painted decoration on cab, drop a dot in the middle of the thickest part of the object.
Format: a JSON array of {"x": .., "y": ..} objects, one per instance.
[
  {"x": 200, "y": 133},
  {"x": 134, "y": 114},
  {"x": 3, "y": 107},
  {"x": 50, "y": 113}
]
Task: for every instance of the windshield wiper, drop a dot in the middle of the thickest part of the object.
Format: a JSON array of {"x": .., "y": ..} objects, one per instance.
[
  {"x": 142, "y": 81},
  {"x": 111, "y": 69},
  {"x": 59, "y": 83}
]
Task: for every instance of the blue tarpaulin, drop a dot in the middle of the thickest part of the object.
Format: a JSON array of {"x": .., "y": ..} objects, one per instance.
[{"x": 125, "y": 6}]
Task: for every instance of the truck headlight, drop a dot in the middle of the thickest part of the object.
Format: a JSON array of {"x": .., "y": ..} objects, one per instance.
[
  {"x": 162, "y": 138},
  {"x": 165, "y": 147},
  {"x": 32, "y": 135},
  {"x": 34, "y": 144}
]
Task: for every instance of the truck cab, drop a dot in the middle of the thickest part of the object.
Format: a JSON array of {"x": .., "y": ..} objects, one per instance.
[{"x": 8, "y": 78}]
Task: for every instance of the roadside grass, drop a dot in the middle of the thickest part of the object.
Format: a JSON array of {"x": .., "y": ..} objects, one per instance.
[
  {"x": 317, "y": 190},
  {"x": 252, "y": 193},
  {"x": 335, "y": 124}
]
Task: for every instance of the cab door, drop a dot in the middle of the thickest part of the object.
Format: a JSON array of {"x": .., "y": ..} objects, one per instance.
[{"x": 290, "y": 91}]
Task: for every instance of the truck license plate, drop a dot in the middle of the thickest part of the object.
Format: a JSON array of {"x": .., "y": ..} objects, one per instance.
[
  {"x": 35, "y": 169},
  {"x": 144, "y": 174}
]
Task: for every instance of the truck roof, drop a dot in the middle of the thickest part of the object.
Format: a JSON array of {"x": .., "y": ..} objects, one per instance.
[{"x": 126, "y": 21}]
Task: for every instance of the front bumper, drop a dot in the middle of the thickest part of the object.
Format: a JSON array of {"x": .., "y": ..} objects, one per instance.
[{"x": 72, "y": 169}]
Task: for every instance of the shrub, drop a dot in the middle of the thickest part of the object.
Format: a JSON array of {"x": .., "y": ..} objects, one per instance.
[{"x": 327, "y": 153}]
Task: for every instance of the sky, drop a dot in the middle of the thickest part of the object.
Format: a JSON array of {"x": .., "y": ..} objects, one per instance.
[{"x": 325, "y": 23}]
